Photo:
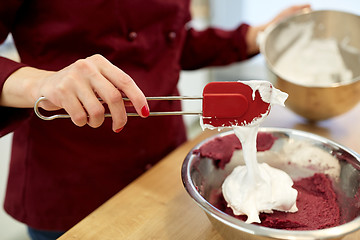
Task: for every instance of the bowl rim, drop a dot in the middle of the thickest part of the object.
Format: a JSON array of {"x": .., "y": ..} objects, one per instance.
[
  {"x": 253, "y": 229},
  {"x": 265, "y": 34}
]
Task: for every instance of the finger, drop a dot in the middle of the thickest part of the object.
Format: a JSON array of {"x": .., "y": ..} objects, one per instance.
[
  {"x": 132, "y": 91},
  {"x": 297, "y": 8},
  {"x": 112, "y": 97},
  {"x": 125, "y": 83},
  {"x": 76, "y": 111},
  {"x": 48, "y": 105},
  {"x": 94, "y": 108},
  {"x": 70, "y": 104}
]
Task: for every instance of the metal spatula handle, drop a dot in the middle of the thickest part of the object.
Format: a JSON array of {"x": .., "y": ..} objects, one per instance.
[{"x": 171, "y": 98}]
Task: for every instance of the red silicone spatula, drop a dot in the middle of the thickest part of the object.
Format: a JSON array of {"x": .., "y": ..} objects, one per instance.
[
  {"x": 224, "y": 104},
  {"x": 231, "y": 103}
]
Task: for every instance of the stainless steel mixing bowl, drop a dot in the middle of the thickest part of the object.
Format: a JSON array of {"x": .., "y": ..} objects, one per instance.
[
  {"x": 316, "y": 103},
  {"x": 201, "y": 178}
]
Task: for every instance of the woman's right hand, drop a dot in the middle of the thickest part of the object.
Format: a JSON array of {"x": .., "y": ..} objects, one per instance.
[{"x": 76, "y": 89}]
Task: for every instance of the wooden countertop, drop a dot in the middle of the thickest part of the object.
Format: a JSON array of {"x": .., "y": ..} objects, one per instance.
[{"x": 156, "y": 205}]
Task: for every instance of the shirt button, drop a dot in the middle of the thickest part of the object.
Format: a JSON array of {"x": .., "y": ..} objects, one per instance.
[
  {"x": 172, "y": 36},
  {"x": 132, "y": 36}
]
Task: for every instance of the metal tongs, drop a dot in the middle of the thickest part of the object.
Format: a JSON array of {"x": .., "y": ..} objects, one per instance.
[
  {"x": 223, "y": 104},
  {"x": 131, "y": 114}
]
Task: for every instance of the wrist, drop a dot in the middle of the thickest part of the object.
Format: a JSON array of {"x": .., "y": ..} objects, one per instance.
[
  {"x": 251, "y": 39},
  {"x": 21, "y": 89}
]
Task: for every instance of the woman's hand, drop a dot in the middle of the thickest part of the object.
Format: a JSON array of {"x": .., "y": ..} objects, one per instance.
[
  {"x": 252, "y": 33},
  {"x": 289, "y": 12},
  {"x": 76, "y": 89}
]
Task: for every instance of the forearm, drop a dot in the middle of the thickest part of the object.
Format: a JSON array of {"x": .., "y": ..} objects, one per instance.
[
  {"x": 76, "y": 89},
  {"x": 20, "y": 88},
  {"x": 213, "y": 47}
]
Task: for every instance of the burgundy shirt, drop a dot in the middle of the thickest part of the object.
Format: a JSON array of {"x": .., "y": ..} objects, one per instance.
[{"x": 59, "y": 172}]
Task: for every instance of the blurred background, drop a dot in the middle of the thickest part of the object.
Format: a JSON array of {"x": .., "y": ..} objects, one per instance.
[{"x": 220, "y": 13}]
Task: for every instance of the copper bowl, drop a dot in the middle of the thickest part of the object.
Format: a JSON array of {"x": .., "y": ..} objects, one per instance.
[{"x": 316, "y": 102}]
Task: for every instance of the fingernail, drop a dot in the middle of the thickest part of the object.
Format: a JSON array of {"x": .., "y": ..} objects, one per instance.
[
  {"x": 145, "y": 111},
  {"x": 119, "y": 130}
]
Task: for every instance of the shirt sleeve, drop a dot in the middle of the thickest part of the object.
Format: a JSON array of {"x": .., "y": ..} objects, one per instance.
[
  {"x": 214, "y": 47},
  {"x": 10, "y": 117}
]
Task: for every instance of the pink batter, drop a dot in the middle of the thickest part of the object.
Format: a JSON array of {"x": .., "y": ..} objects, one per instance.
[
  {"x": 317, "y": 201},
  {"x": 221, "y": 149}
]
